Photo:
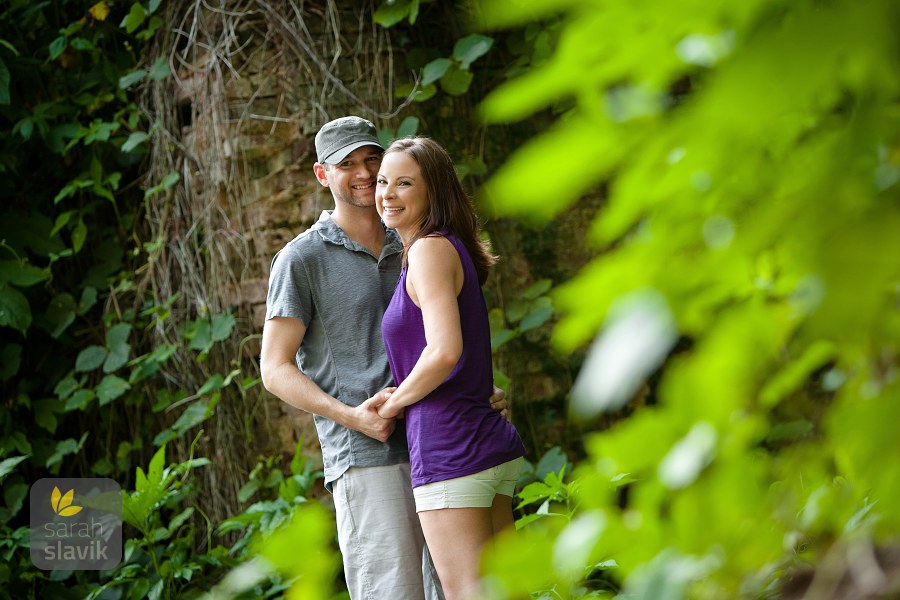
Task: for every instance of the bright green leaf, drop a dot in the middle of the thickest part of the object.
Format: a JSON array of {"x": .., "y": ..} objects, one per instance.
[{"x": 110, "y": 388}]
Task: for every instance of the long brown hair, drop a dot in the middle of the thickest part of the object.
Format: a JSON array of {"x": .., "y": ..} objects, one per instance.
[{"x": 449, "y": 207}]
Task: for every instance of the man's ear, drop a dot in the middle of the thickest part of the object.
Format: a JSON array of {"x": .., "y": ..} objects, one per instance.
[{"x": 321, "y": 174}]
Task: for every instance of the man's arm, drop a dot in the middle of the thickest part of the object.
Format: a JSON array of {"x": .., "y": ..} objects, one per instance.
[{"x": 281, "y": 339}]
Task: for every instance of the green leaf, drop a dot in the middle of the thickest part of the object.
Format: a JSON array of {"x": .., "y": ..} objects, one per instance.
[
  {"x": 213, "y": 383},
  {"x": 90, "y": 358},
  {"x": 160, "y": 69},
  {"x": 222, "y": 326},
  {"x": 15, "y": 311},
  {"x": 88, "y": 300},
  {"x": 134, "y": 18},
  {"x": 200, "y": 335},
  {"x": 8, "y": 465},
  {"x": 79, "y": 235},
  {"x": 456, "y": 81},
  {"x": 57, "y": 47},
  {"x": 168, "y": 181},
  {"x": 81, "y": 44},
  {"x": 60, "y": 314},
  {"x": 10, "y": 359},
  {"x": 541, "y": 312},
  {"x": 434, "y": 70},
  {"x": 421, "y": 94},
  {"x": 470, "y": 48},
  {"x": 65, "y": 448},
  {"x": 79, "y": 400},
  {"x": 391, "y": 13},
  {"x": 117, "y": 344},
  {"x": 65, "y": 386},
  {"x": 135, "y": 139},
  {"x": 110, "y": 388},
  {"x": 4, "y": 83},
  {"x": 539, "y": 288},
  {"x": 408, "y": 127},
  {"x": 129, "y": 79},
  {"x": 193, "y": 415},
  {"x": 21, "y": 274}
]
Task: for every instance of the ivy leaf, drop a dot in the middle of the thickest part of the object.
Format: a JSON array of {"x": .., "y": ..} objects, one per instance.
[
  {"x": 538, "y": 315},
  {"x": 138, "y": 137},
  {"x": 456, "y": 81},
  {"x": 9, "y": 464},
  {"x": 79, "y": 235},
  {"x": 110, "y": 388},
  {"x": 434, "y": 70},
  {"x": 60, "y": 314},
  {"x": 408, "y": 127},
  {"x": 88, "y": 299},
  {"x": 21, "y": 274},
  {"x": 90, "y": 358},
  {"x": 66, "y": 447},
  {"x": 168, "y": 181},
  {"x": 160, "y": 69},
  {"x": 117, "y": 344},
  {"x": 421, "y": 94},
  {"x": 222, "y": 325},
  {"x": 129, "y": 79},
  {"x": 15, "y": 311},
  {"x": 134, "y": 18},
  {"x": 470, "y": 48},
  {"x": 390, "y": 13},
  {"x": 57, "y": 47}
]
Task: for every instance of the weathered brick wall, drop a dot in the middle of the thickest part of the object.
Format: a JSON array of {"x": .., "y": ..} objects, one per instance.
[{"x": 281, "y": 74}]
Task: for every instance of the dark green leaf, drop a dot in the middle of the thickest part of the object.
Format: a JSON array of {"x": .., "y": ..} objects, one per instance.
[
  {"x": 21, "y": 274},
  {"x": 60, "y": 314},
  {"x": 4, "y": 83},
  {"x": 10, "y": 359},
  {"x": 15, "y": 311}
]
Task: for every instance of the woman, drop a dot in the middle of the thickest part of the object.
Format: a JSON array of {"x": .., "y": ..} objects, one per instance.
[{"x": 465, "y": 458}]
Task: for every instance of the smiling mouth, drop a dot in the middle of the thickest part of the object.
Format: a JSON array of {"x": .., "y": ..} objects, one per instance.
[
  {"x": 367, "y": 186},
  {"x": 392, "y": 211}
]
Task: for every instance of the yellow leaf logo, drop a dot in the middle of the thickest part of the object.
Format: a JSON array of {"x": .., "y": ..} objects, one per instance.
[{"x": 62, "y": 503}]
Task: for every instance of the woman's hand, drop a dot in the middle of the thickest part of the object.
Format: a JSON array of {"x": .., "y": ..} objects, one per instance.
[{"x": 389, "y": 410}]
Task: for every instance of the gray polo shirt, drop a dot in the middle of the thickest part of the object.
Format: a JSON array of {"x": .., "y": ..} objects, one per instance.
[{"x": 340, "y": 291}]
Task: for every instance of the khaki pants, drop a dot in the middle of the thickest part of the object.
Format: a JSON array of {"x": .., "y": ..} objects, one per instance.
[{"x": 380, "y": 536}]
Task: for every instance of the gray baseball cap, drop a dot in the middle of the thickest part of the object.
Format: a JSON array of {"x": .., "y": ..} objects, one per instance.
[{"x": 342, "y": 136}]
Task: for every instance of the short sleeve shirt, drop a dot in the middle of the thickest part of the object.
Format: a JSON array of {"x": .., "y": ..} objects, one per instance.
[{"x": 340, "y": 291}]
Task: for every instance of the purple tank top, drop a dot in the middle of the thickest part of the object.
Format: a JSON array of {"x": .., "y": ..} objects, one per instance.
[{"x": 453, "y": 431}]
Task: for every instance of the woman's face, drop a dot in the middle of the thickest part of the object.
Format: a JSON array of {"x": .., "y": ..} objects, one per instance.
[{"x": 401, "y": 194}]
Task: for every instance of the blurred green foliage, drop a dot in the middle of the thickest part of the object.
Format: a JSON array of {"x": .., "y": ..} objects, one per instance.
[{"x": 752, "y": 152}]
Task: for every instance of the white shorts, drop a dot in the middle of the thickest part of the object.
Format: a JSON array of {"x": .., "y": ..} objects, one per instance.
[{"x": 472, "y": 491}]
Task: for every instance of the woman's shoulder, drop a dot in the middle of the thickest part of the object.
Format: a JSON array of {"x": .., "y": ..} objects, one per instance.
[{"x": 434, "y": 247}]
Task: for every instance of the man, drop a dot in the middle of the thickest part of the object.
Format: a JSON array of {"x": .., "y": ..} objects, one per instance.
[{"x": 322, "y": 352}]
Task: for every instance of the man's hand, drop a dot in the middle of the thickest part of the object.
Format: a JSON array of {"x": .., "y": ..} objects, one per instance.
[
  {"x": 498, "y": 402},
  {"x": 369, "y": 422}
]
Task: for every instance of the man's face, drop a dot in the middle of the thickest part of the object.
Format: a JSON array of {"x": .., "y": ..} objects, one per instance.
[{"x": 352, "y": 181}]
